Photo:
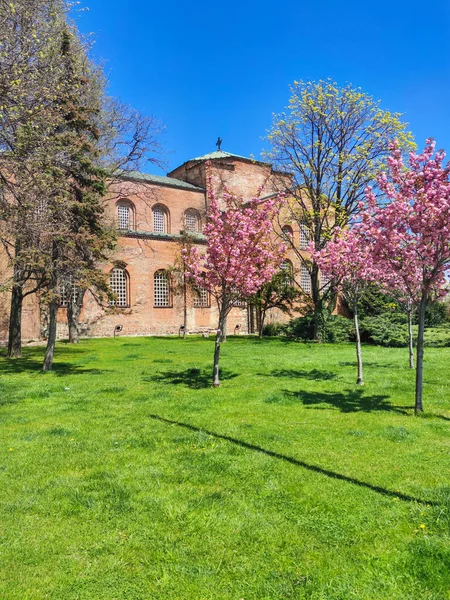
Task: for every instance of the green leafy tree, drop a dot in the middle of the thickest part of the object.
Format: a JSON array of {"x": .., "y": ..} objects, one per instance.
[
  {"x": 29, "y": 75},
  {"x": 332, "y": 141},
  {"x": 63, "y": 141},
  {"x": 279, "y": 293}
]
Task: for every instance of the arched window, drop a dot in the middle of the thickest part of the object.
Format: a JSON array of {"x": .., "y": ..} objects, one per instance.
[
  {"x": 304, "y": 236},
  {"x": 287, "y": 268},
  {"x": 161, "y": 283},
  {"x": 160, "y": 219},
  {"x": 201, "y": 298},
  {"x": 119, "y": 285},
  {"x": 287, "y": 232},
  {"x": 125, "y": 215},
  {"x": 286, "y": 265},
  {"x": 305, "y": 280},
  {"x": 191, "y": 220}
]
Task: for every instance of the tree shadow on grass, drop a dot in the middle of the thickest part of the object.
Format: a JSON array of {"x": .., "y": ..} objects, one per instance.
[
  {"x": 369, "y": 364},
  {"x": 427, "y": 415},
  {"x": 11, "y": 366},
  {"x": 298, "y": 463},
  {"x": 347, "y": 402},
  {"x": 193, "y": 378},
  {"x": 314, "y": 374}
]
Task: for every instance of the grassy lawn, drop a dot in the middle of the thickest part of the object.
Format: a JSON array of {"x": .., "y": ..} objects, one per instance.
[{"x": 124, "y": 476}]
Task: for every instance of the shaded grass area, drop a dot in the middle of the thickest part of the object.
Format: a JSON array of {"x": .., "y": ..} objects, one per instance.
[{"x": 124, "y": 475}]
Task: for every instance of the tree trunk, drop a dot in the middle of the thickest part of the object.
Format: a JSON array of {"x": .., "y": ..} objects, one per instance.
[
  {"x": 255, "y": 320},
  {"x": 184, "y": 307},
  {"x": 224, "y": 330},
  {"x": 418, "y": 408},
  {"x": 15, "y": 323},
  {"x": 317, "y": 303},
  {"x": 261, "y": 323},
  {"x": 410, "y": 337},
  {"x": 73, "y": 314},
  {"x": 51, "y": 341},
  {"x": 359, "y": 380},
  {"x": 222, "y": 319},
  {"x": 53, "y": 311}
]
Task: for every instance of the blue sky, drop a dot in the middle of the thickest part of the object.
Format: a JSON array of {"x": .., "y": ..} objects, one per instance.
[{"x": 222, "y": 68}]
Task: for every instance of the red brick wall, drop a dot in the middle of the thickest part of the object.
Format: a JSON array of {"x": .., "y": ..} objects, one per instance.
[{"x": 143, "y": 256}]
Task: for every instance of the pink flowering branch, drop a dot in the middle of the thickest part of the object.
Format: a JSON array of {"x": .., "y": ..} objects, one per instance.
[
  {"x": 411, "y": 233},
  {"x": 241, "y": 254},
  {"x": 347, "y": 262}
]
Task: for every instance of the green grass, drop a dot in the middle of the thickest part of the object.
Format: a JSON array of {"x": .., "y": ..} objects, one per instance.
[{"x": 124, "y": 476}]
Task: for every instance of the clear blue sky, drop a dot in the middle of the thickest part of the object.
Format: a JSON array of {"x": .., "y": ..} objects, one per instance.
[{"x": 222, "y": 68}]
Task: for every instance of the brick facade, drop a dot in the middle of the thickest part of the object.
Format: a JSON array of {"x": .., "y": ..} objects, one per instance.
[{"x": 155, "y": 210}]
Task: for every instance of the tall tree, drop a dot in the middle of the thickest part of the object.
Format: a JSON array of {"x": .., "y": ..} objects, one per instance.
[
  {"x": 332, "y": 140},
  {"x": 240, "y": 255},
  {"x": 80, "y": 239},
  {"x": 348, "y": 263},
  {"x": 29, "y": 75},
  {"x": 42, "y": 98},
  {"x": 411, "y": 232}
]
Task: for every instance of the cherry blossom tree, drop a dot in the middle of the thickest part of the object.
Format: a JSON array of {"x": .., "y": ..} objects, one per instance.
[
  {"x": 411, "y": 233},
  {"x": 241, "y": 254},
  {"x": 348, "y": 263}
]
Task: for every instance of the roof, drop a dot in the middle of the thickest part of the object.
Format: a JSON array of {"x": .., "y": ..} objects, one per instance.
[
  {"x": 160, "y": 180},
  {"x": 221, "y": 154},
  {"x": 217, "y": 155}
]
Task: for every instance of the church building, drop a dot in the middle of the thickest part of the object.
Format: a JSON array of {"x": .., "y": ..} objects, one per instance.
[{"x": 153, "y": 214}]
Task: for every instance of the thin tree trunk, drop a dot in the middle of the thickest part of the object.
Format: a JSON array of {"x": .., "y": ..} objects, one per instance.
[
  {"x": 317, "y": 302},
  {"x": 222, "y": 319},
  {"x": 418, "y": 408},
  {"x": 410, "y": 337},
  {"x": 359, "y": 380},
  {"x": 256, "y": 320},
  {"x": 15, "y": 323},
  {"x": 51, "y": 341},
  {"x": 261, "y": 323},
  {"x": 184, "y": 307},
  {"x": 73, "y": 314},
  {"x": 224, "y": 330},
  {"x": 53, "y": 311}
]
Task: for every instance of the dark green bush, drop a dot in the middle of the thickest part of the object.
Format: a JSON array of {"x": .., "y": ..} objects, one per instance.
[
  {"x": 336, "y": 329},
  {"x": 301, "y": 328},
  {"x": 386, "y": 329},
  {"x": 375, "y": 302},
  {"x": 435, "y": 314},
  {"x": 273, "y": 329},
  {"x": 437, "y": 337}
]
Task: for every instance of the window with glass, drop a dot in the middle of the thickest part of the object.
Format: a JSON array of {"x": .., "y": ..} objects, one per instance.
[
  {"x": 305, "y": 280},
  {"x": 201, "y": 298},
  {"x": 67, "y": 291},
  {"x": 41, "y": 209},
  {"x": 304, "y": 236},
  {"x": 124, "y": 216},
  {"x": 287, "y": 269},
  {"x": 161, "y": 289},
  {"x": 191, "y": 220},
  {"x": 159, "y": 220},
  {"x": 119, "y": 285}
]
